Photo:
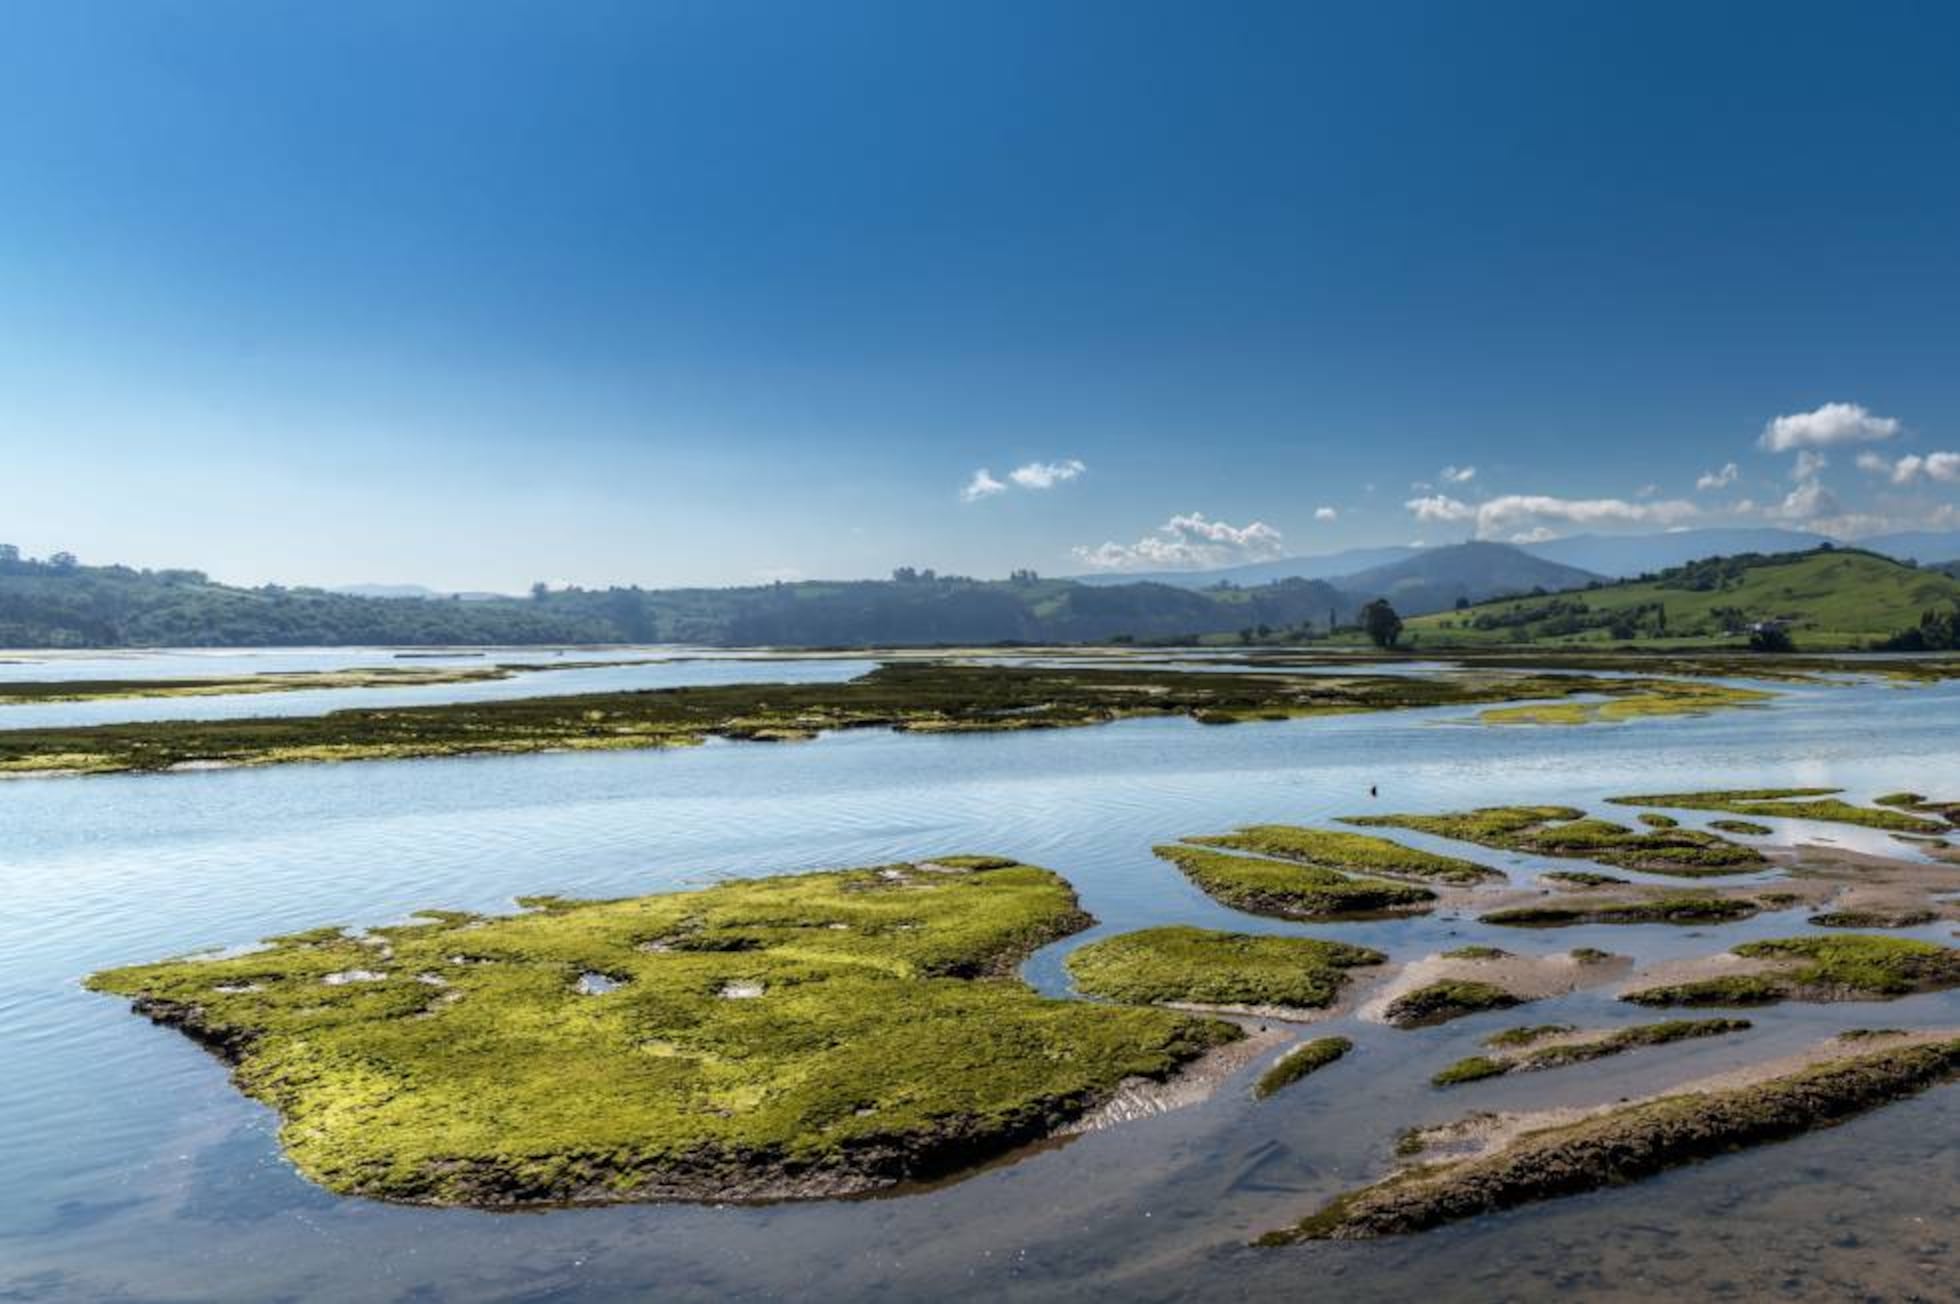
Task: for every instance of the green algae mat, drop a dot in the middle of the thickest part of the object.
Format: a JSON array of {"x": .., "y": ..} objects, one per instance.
[
  {"x": 1567, "y": 831},
  {"x": 1808, "y": 804},
  {"x": 1202, "y": 967},
  {"x": 807, "y": 1035}
]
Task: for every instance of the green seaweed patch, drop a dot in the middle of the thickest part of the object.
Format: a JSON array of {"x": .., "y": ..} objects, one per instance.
[
  {"x": 1873, "y": 918},
  {"x": 1451, "y": 998},
  {"x": 1675, "y": 908},
  {"x": 1567, "y": 831},
  {"x": 806, "y": 1035},
  {"x": 1656, "y": 820},
  {"x": 1198, "y": 966},
  {"x": 1510, "y": 1038},
  {"x": 1788, "y": 803},
  {"x": 1356, "y": 853},
  {"x": 1477, "y": 953},
  {"x": 1590, "y": 955},
  {"x": 1308, "y": 1057},
  {"x": 1581, "y": 878},
  {"x": 1900, "y": 799},
  {"x": 1627, "y": 1144},
  {"x": 1654, "y": 698},
  {"x": 1291, "y": 890},
  {"x": 1847, "y": 967},
  {"x": 1532, "y": 1059},
  {"x": 1474, "y": 1069},
  {"x": 1747, "y": 828}
]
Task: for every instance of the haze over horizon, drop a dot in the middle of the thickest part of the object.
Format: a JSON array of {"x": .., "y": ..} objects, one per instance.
[{"x": 729, "y": 293}]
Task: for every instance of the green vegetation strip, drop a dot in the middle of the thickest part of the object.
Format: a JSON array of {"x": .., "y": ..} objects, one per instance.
[
  {"x": 1352, "y": 852},
  {"x": 1680, "y": 908},
  {"x": 1561, "y": 1054},
  {"x": 1566, "y": 831},
  {"x": 1291, "y": 890},
  {"x": 1451, "y": 998},
  {"x": 1835, "y": 968},
  {"x": 1909, "y": 918},
  {"x": 816, "y": 1034},
  {"x": 1664, "y": 699},
  {"x": 1580, "y": 878},
  {"x": 1308, "y": 1057},
  {"x": 1790, "y": 803},
  {"x": 1196, "y": 966},
  {"x": 915, "y": 696},
  {"x": 1629, "y": 1143}
]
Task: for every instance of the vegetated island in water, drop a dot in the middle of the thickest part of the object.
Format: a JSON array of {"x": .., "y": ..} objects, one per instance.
[
  {"x": 1493, "y": 1162},
  {"x": 800, "y": 1036},
  {"x": 929, "y": 697}
]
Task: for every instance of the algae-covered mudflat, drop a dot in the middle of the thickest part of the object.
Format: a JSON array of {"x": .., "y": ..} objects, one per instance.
[{"x": 813, "y": 1035}]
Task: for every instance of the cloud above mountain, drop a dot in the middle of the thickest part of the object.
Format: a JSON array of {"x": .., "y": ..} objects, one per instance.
[
  {"x": 1530, "y": 514},
  {"x": 1188, "y": 542}
]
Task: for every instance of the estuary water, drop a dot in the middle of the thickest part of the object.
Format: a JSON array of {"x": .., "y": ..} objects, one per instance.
[
  {"x": 134, "y": 1171},
  {"x": 560, "y": 673}
]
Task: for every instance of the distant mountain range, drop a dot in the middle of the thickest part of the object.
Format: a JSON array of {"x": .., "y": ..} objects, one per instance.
[
  {"x": 1434, "y": 579},
  {"x": 1616, "y": 556},
  {"x": 60, "y": 603}
]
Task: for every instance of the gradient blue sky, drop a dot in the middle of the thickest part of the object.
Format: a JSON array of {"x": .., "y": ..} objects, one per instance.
[{"x": 480, "y": 293}]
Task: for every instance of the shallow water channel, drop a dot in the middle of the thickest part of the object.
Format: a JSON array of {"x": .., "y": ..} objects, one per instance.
[{"x": 134, "y": 1170}]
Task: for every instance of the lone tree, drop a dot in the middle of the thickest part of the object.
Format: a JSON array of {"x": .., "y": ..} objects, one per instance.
[{"x": 1383, "y": 626}]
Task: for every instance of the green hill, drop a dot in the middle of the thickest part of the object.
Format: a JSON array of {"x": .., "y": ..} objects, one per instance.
[
  {"x": 1826, "y": 598},
  {"x": 59, "y": 602}
]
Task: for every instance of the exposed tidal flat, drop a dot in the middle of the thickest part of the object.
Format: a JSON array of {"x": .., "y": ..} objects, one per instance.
[{"x": 160, "y": 1168}]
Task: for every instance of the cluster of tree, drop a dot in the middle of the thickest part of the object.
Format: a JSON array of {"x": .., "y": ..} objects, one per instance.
[
  {"x": 1718, "y": 574},
  {"x": 1937, "y": 631},
  {"x": 58, "y": 602}
]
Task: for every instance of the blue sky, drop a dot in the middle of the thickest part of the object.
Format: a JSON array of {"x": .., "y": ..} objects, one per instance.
[{"x": 476, "y": 294}]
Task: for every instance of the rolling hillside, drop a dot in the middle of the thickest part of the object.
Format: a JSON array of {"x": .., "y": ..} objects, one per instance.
[
  {"x": 1828, "y": 598},
  {"x": 62, "y": 603},
  {"x": 1435, "y": 578}
]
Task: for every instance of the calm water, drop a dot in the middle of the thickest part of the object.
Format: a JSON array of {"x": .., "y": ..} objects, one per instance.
[
  {"x": 132, "y": 1170},
  {"x": 664, "y": 667}
]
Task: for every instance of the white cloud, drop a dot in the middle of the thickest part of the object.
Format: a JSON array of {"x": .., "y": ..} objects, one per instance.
[
  {"x": 1325, "y": 514},
  {"x": 1046, "y": 475},
  {"x": 1538, "y": 535},
  {"x": 1809, "y": 462},
  {"x": 1807, "y": 502},
  {"x": 1459, "y": 474},
  {"x": 1834, "y": 423},
  {"x": 1512, "y": 513},
  {"x": 1033, "y": 475},
  {"x": 982, "y": 485},
  {"x": 1721, "y": 479},
  {"x": 1189, "y": 542},
  {"x": 1944, "y": 467},
  {"x": 1440, "y": 508}
]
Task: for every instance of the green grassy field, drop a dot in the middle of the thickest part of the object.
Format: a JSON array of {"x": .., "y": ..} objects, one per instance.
[{"x": 1836, "y": 598}]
